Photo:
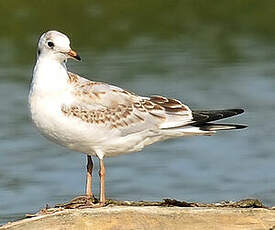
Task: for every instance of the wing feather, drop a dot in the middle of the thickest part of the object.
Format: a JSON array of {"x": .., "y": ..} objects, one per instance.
[{"x": 102, "y": 104}]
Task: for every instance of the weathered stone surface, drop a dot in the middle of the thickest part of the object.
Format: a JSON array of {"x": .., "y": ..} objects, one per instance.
[{"x": 122, "y": 218}]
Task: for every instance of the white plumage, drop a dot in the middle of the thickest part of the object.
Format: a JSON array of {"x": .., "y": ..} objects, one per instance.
[{"x": 96, "y": 118}]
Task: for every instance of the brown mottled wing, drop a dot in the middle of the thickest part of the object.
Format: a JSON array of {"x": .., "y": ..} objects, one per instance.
[
  {"x": 111, "y": 106},
  {"x": 120, "y": 116},
  {"x": 176, "y": 113},
  {"x": 97, "y": 94}
]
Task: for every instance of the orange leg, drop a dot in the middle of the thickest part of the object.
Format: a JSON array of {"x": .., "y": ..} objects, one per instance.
[
  {"x": 102, "y": 182},
  {"x": 89, "y": 176}
]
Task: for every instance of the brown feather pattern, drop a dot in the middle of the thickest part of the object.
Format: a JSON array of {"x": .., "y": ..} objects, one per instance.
[{"x": 117, "y": 108}]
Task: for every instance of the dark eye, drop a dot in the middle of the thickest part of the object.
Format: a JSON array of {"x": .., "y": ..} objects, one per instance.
[{"x": 50, "y": 44}]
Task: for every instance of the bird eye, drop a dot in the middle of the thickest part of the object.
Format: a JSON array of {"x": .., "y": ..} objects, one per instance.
[{"x": 50, "y": 44}]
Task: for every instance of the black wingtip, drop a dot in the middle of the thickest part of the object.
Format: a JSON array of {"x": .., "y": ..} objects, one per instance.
[
  {"x": 202, "y": 116},
  {"x": 240, "y": 126},
  {"x": 237, "y": 111},
  {"x": 217, "y": 127}
]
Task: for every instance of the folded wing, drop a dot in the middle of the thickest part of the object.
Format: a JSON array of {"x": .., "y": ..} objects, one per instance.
[{"x": 111, "y": 106}]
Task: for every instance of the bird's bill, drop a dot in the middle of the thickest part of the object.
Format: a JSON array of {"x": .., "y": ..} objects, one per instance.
[{"x": 74, "y": 55}]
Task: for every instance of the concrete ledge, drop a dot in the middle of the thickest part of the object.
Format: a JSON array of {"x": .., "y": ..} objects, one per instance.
[{"x": 150, "y": 217}]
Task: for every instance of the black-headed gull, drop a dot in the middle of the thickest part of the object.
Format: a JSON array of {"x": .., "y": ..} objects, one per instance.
[{"x": 104, "y": 120}]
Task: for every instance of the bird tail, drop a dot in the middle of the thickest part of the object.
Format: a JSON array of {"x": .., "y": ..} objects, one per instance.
[
  {"x": 202, "y": 123},
  {"x": 203, "y": 118}
]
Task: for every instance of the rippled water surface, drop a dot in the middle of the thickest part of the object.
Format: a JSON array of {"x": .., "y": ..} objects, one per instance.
[{"x": 210, "y": 57}]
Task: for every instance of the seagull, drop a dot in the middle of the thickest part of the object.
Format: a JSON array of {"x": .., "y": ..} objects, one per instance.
[{"x": 103, "y": 120}]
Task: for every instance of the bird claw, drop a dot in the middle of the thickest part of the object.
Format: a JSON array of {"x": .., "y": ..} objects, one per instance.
[{"x": 81, "y": 202}]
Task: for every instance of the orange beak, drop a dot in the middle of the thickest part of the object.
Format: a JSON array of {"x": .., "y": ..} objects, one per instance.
[{"x": 74, "y": 55}]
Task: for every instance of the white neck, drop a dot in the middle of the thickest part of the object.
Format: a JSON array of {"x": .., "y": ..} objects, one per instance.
[{"x": 49, "y": 76}]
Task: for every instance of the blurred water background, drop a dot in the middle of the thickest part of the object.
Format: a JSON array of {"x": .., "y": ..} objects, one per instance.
[{"x": 209, "y": 54}]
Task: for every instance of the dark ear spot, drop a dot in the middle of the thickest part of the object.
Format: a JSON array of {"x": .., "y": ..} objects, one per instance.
[{"x": 38, "y": 51}]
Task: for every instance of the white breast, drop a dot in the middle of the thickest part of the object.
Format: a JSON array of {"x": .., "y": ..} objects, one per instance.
[{"x": 50, "y": 90}]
